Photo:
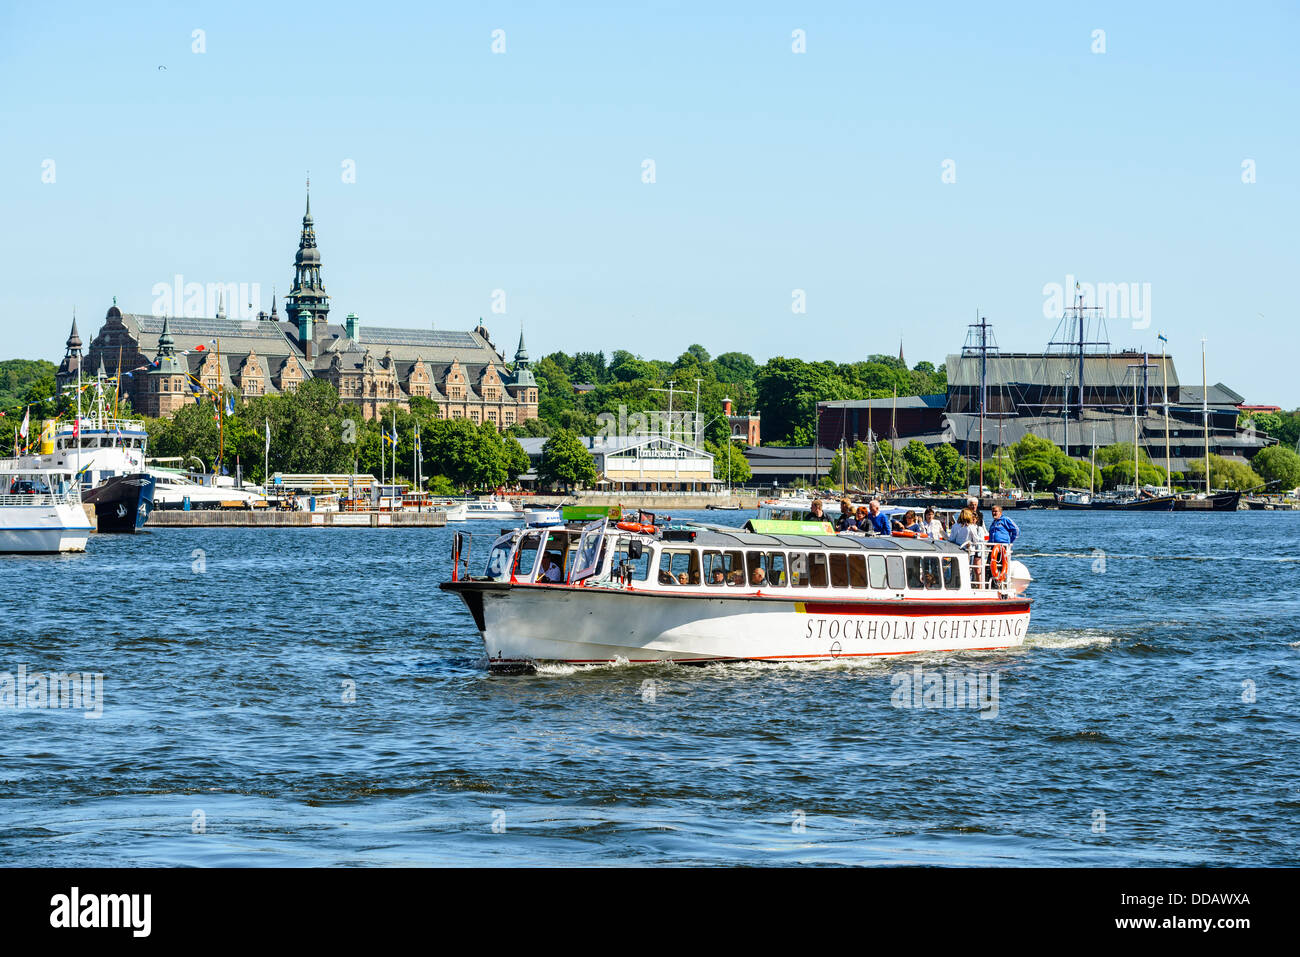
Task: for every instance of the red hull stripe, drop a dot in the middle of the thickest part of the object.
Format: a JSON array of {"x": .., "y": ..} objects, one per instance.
[
  {"x": 651, "y": 661},
  {"x": 912, "y": 609}
]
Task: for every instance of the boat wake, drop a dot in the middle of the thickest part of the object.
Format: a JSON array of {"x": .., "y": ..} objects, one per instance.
[
  {"x": 1164, "y": 558},
  {"x": 1067, "y": 638}
]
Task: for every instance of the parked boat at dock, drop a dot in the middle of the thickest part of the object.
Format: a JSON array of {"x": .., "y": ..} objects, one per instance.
[{"x": 41, "y": 513}]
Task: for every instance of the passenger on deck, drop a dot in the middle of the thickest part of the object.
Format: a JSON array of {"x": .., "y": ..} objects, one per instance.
[
  {"x": 816, "y": 513},
  {"x": 910, "y": 524},
  {"x": 963, "y": 532},
  {"x": 846, "y": 522},
  {"x": 933, "y": 527},
  {"x": 879, "y": 521},
  {"x": 1002, "y": 530},
  {"x": 978, "y": 517}
]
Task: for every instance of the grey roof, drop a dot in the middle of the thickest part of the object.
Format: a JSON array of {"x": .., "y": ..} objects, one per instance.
[
  {"x": 938, "y": 401},
  {"x": 1048, "y": 369},
  {"x": 1218, "y": 394}
]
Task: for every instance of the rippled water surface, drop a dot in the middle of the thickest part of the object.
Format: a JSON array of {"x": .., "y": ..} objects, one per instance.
[{"x": 1151, "y": 719}]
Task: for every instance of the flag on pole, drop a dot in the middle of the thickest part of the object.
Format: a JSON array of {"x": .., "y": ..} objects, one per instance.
[
  {"x": 1161, "y": 337},
  {"x": 27, "y": 416},
  {"x": 230, "y": 405},
  {"x": 268, "y": 436}
]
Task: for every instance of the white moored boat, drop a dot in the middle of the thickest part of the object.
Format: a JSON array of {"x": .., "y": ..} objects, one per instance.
[
  {"x": 495, "y": 510},
  {"x": 607, "y": 592},
  {"x": 41, "y": 513}
]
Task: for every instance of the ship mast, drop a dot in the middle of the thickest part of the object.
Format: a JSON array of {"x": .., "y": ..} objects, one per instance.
[
  {"x": 1205, "y": 417},
  {"x": 1164, "y": 382}
]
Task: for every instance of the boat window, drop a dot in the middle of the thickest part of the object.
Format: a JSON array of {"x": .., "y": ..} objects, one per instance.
[
  {"x": 877, "y": 566},
  {"x": 760, "y": 568},
  {"x": 817, "y": 574},
  {"x": 776, "y": 570},
  {"x": 894, "y": 567},
  {"x": 799, "y": 569},
  {"x": 735, "y": 569},
  {"x": 913, "y": 565},
  {"x": 526, "y": 556},
  {"x": 839, "y": 570},
  {"x": 679, "y": 566},
  {"x": 930, "y": 572},
  {"x": 639, "y": 566},
  {"x": 715, "y": 570},
  {"x": 951, "y": 573},
  {"x": 498, "y": 563},
  {"x": 857, "y": 571}
]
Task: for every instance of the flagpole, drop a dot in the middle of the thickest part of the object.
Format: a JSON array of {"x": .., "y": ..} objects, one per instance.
[
  {"x": 221, "y": 414},
  {"x": 266, "y": 457}
]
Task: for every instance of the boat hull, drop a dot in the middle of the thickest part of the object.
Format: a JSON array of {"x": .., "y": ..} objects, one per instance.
[
  {"x": 43, "y": 530},
  {"x": 527, "y": 624},
  {"x": 122, "y": 503},
  {"x": 1161, "y": 504},
  {"x": 1218, "y": 502}
]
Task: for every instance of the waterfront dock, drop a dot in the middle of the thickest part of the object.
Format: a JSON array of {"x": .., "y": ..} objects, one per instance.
[{"x": 262, "y": 518}]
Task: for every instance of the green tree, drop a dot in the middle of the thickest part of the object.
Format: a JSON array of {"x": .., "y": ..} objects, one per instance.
[
  {"x": 1224, "y": 474},
  {"x": 1278, "y": 465},
  {"x": 727, "y": 455},
  {"x": 922, "y": 467},
  {"x": 566, "y": 461}
]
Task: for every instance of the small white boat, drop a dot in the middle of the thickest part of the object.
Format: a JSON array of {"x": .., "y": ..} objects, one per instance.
[
  {"x": 604, "y": 593},
  {"x": 543, "y": 516},
  {"x": 495, "y": 510},
  {"x": 41, "y": 513}
]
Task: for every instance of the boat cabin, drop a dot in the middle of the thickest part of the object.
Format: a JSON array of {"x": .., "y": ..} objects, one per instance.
[{"x": 734, "y": 562}]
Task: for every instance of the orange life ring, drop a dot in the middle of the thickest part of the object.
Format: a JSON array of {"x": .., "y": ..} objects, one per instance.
[
  {"x": 903, "y": 533},
  {"x": 998, "y": 562},
  {"x": 636, "y": 527}
]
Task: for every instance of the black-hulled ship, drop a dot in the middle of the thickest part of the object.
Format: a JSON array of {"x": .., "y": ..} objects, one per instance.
[
  {"x": 1218, "y": 501},
  {"x": 107, "y": 456},
  {"x": 122, "y": 502}
]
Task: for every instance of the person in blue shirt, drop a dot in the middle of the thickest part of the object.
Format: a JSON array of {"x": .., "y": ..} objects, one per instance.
[
  {"x": 879, "y": 521},
  {"x": 1002, "y": 531}
]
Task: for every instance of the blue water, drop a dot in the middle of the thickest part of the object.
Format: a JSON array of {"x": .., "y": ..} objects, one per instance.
[{"x": 1125, "y": 731}]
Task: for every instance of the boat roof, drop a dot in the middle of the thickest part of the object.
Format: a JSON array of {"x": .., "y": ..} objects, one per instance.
[{"x": 873, "y": 543}]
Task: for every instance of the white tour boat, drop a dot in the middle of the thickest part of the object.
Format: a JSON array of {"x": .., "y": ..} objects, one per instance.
[
  {"x": 608, "y": 592},
  {"x": 494, "y": 510},
  {"x": 41, "y": 513}
]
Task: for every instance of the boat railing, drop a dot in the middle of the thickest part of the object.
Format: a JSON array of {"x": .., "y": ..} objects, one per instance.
[
  {"x": 107, "y": 425},
  {"x": 39, "y": 499}
]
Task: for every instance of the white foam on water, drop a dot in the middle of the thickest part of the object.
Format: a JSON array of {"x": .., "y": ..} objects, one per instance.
[{"x": 1071, "y": 638}]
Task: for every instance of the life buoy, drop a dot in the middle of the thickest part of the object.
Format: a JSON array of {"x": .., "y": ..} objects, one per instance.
[
  {"x": 636, "y": 527},
  {"x": 903, "y": 533},
  {"x": 998, "y": 562}
]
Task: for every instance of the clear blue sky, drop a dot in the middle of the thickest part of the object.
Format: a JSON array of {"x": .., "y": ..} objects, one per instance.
[{"x": 775, "y": 171}]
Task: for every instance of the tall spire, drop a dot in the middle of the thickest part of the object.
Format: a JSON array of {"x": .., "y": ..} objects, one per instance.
[
  {"x": 308, "y": 291},
  {"x": 68, "y": 368}
]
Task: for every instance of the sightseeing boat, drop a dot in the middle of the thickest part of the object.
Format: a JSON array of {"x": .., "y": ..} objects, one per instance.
[
  {"x": 41, "y": 513},
  {"x": 608, "y": 591}
]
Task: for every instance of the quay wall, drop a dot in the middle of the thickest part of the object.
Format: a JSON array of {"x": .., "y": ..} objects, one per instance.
[{"x": 240, "y": 518}]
